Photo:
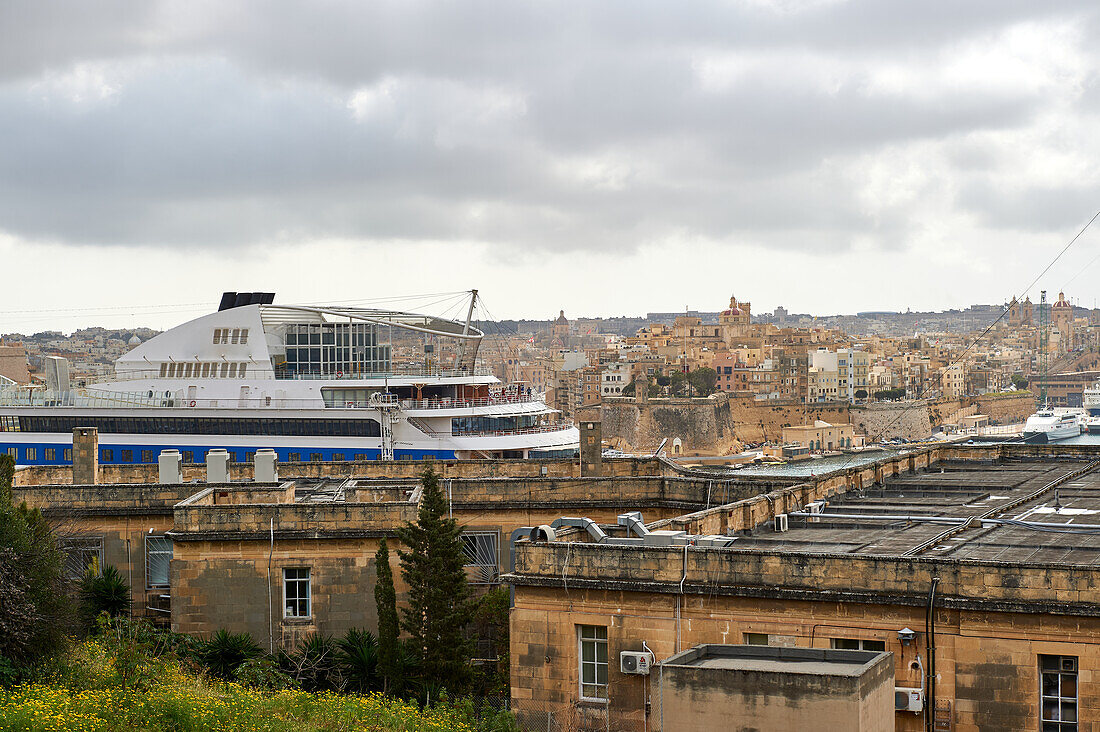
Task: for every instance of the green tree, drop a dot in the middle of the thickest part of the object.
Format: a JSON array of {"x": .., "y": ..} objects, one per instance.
[
  {"x": 1019, "y": 381},
  {"x": 703, "y": 381},
  {"x": 35, "y": 612},
  {"x": 385, "y": 600},
  {"x": 861, "y": 394},
  {"x": 440, "y": 605}
]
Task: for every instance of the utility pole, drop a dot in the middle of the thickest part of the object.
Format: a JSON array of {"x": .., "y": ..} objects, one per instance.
[{"x": 1041, "y": 399}]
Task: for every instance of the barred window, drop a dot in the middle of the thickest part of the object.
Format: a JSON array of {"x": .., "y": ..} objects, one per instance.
[
  {"x": 158, "y": 557},
  {"x": 481, "y": 549},
  {"x": 296, "y": 592},
  {"x": 82, "y": 554}
]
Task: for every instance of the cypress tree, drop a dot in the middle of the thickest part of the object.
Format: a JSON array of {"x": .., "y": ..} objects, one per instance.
[
  {"x": 385, "y": 599},
  {"x": 440, "y": 605}
]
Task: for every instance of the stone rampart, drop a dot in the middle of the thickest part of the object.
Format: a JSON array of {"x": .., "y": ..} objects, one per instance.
[{"x": 148, "y": 472}]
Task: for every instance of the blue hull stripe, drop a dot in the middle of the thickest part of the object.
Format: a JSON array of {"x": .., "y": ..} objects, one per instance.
[{"x": 112, "y": 453}]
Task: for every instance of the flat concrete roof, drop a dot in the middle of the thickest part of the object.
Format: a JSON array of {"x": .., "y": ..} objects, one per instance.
[
  {"x": 1061, "y": 526},
  {"x": 773, "y": 659}
]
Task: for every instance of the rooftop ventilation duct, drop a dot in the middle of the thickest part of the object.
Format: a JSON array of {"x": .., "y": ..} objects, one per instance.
[
  {"x": 217, "y": 466},
  {"x": 265, "y": 467},
  {"x": 170, "y": 464}
]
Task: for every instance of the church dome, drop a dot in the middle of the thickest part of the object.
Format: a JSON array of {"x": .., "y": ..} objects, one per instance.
[
  {"x": 733, "y": 309},
  {"x": 1062, "y": 304},
  {"x": 562, "y": 320}
]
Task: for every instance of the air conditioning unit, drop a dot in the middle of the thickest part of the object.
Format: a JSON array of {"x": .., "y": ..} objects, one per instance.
[
  {"x": 816, "y": 508},
  {"x": 635, "y": 662},
  {"x": 781, "y": 522},
  {"x": 908, "y": 699}
]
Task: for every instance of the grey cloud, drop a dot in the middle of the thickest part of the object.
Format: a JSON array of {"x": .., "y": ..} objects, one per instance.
[{"x": 230, "y": 123}]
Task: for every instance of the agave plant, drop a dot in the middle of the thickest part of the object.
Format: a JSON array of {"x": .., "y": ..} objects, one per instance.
[
  {"x": 224, "y": 652},
  {"x": 358, "y": 657},
  {"x": 105, "y": 592}
]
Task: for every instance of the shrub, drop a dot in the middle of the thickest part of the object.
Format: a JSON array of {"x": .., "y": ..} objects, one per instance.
[
  {"x": 263, "y": 673},
  {"x": 358, "y": 658},
  {"x": 35, "y": 612},
  {"x": 106, "y": 592},
  {"x": 315, "y": 663},
  {"x": 224, "y": 653}
]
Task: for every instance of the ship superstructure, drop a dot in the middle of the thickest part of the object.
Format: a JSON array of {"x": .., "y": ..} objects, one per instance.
[{"x": 312, "y": 383}]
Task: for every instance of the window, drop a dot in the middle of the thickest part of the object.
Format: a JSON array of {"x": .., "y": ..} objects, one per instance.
[
  {"x": 244, "y": 335},
  {"x": 147, "y": 456},
  {"x": 360, "y": 456},
  {"x": 338, "y": 457},
  {"x": 14, "y": 453},
  {"x": 158, "y": 555},
  {"x": 32, "y": 453},
  {"x": 107, "y": 455},
  {"x": 217, "y": 335},
  {"x": 1058, "y": 690},
  {"x": 67, "y": 455},
  {"x": 240, "y": 371},
  {"x": 163, "y": 370},
  {"x": 233, "y": 370},
  {"x": 250, "y": 457},
  {"x": 236, "y": 335},
  {"x": 296, "y": 592},
  {"x": 188, "y": 456},
  {"x": 315, "y": 457},
  {"x": 187, "y": 370},
  {"x": 51, "y": 453},
  {"x": 756, "y": 639},
  {"x": 82, "y": 555},
  {"x": 293, "y": 457},
  {"x": 592, "y": 642},
  {"x": 481, "y": 549},
  {"x": 853, "y": 644},
  {"x": 127, "y": 456}
]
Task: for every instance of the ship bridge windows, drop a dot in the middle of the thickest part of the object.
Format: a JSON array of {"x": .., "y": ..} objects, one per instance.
[{"x": 335, "y": 349}]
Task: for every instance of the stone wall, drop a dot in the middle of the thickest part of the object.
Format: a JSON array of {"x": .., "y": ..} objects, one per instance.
[
  {"x": 148, "y": 473},
  {"x": 759, "y": 421},
  {"x": 704, "y": 426},
  {"x": 1011, "y": 408}
]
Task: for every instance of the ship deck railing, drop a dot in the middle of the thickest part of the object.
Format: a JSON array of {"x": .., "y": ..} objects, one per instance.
[
  {"x": 455, "y": 403},
  {"x": 257, "y": 371},
  {"x": 78, "y": 398},
  {"x": 541, "y": 429}
]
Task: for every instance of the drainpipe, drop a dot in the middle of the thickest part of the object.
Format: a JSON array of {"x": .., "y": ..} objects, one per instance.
[
  {"x": 515, "y": 536},
  {"x": 930, "y": 649}
]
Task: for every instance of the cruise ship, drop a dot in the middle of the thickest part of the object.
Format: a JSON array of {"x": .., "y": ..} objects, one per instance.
[{"x": 312, "y": 383}]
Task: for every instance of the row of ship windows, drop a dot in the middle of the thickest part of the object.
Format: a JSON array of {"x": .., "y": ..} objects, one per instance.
[
  {"x": 198, "y": 426},
  {"x": 227, "y": 336},
  {"x": 203, "y": 370},
  {"x": 107, "y": 455},
  {"x": 48, "y": 453}
]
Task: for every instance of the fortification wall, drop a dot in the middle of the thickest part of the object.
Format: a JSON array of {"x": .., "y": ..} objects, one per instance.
[{"x": 1011, "y": 408}]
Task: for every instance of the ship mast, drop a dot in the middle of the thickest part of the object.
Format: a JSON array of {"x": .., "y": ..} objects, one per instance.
[{"x": 461, "y": 357}]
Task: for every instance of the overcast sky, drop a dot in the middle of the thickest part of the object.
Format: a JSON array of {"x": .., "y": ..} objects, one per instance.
[{"x": 603, "y": 157}]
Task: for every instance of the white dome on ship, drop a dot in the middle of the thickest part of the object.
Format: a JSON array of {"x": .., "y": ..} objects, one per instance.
[{"x": 134, "y": 341}]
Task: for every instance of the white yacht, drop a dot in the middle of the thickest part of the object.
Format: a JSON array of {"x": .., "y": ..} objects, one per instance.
[
  {"x": 1048, "y": 424},
  {"x": 312, "y": 383}
]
